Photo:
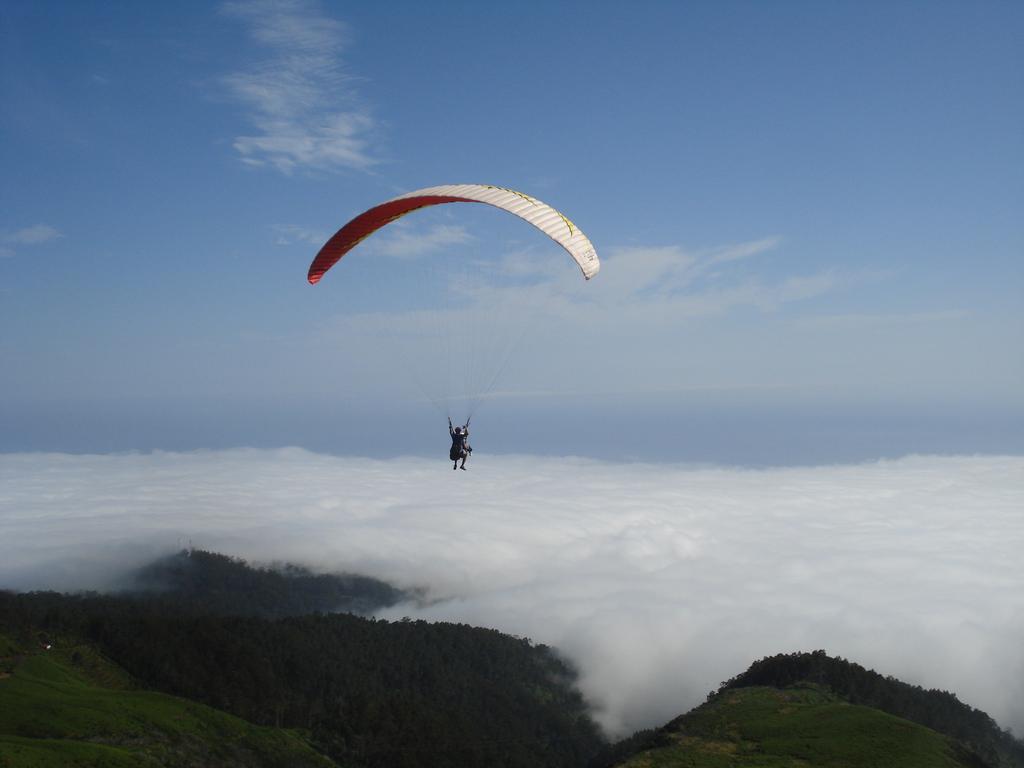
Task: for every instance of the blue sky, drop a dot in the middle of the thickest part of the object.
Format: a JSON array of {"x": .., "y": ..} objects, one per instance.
[{"x": 809, "y": 217}]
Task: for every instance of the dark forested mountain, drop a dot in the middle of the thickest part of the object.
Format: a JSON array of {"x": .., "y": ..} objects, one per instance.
[
  {"x": 214, "y": 583},
  {"x": 371, "y": 693}
]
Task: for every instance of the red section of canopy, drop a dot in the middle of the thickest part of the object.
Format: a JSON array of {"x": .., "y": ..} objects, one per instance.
[{"x": 364, "y": 225}]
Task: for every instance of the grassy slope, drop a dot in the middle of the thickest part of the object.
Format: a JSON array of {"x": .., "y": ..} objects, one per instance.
[
  {"x": 772, "y": 728},
  {"x": 70, "y": 707}
]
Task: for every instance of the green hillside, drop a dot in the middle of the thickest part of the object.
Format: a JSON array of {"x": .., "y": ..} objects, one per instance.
[
  {"x": 372, "y": 693},
  {"x": 798, "y": 726},
  {"x": 68, "y": 706},
  {"x": 938, "y": 710}
]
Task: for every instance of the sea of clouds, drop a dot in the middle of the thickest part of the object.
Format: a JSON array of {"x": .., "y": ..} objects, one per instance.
[{"x": 657, "y": 581}]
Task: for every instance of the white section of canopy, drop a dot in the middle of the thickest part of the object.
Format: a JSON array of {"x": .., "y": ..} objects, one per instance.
[{"x": 545, "y": 218}]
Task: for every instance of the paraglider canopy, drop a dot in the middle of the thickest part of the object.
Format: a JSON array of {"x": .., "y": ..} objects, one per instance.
[
  {"x": 545, "y": 218},
  {"x": 457, "y": 341}
]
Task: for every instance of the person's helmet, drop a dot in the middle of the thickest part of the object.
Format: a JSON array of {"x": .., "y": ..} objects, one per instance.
[{"x": 458, "y": 430}]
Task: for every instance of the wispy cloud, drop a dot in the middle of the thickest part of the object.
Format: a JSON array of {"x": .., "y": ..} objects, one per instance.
[
  {"x": 672, "y": 269},
  {"x": 34, "y": 235},
  {"x": 742, "y": 250},
  {"x": 302, "y": 101},
  {"x": 403, "y": 243},
  {"x": 40, "y": 233},
  {"x": 639, "y": 305},
  {"x": 671, "y": 281},
  {"x": 765, "y": 297},
  {"x": 651, "y": 268},
  {"x": 644, "y": 302},
  {"x": 866, "y": 320},
  {"x": 667, "y": 281},
  {"x": 288, "y": 234},
  {"x": 659, "y": 581}
]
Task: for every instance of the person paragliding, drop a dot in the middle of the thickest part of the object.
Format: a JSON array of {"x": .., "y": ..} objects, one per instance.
[
  {"x": 481, "y": 360},
  {"x": 460, "y": 444}
]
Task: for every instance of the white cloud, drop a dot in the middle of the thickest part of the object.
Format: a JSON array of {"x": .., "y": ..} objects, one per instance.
[
  {"x": 742, "y": 250},
  {"x": 40, "y": 233},
  {"x": 34, "y": 235},
  {"x": 735, "y": 327},
  {"x": 673, "y": 281},
  {"x": 662, "y": 269},
  {"x": 303, "y": 104},
  {"x": 532, "y": 301},
  {"x": 659, "y": 581},
  {"x": 292, "y": 233},
  {"x": 768, "y": 298},
  {"x": 636, "y": 283},
  {"x": 406, "y": 243},
  {"x": 866, "y": 320},
  {"x": 30, "y": 236}
]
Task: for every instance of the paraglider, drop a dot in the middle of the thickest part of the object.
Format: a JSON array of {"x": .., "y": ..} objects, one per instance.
[{"x": 478, "y": 379}]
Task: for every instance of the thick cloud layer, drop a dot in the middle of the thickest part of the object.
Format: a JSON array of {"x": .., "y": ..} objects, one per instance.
[{"x": 658, "y": 581}]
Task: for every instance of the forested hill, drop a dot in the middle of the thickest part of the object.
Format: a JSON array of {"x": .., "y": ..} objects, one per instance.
[
  {"x": 801, "y": 725},
  {"x": 938, "y": 710},
  {"x": 814, "y": 709},
  {"x": 371, "y": 693},
  {"x": 213, "y": 583}
]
